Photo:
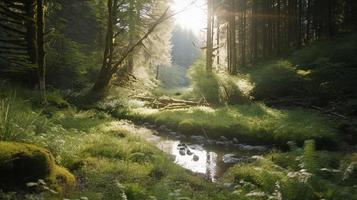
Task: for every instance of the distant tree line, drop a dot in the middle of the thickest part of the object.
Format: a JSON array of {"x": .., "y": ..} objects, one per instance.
[{"x": 254, "y": 29}]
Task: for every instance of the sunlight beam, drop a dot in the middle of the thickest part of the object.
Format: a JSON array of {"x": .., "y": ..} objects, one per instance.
[{"x": 193, "y": 16}]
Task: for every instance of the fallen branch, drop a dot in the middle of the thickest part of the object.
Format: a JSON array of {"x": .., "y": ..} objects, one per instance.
[{"x": 169, "y": 103}]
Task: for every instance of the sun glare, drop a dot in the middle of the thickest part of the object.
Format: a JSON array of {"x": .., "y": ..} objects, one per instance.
[{"x": 191, "y": 14}]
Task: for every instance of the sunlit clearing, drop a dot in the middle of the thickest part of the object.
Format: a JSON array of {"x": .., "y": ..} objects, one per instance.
[{"x": 191, "y": 14}]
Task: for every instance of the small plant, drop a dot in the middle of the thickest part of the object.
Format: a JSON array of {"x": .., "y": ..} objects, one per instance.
[
  {"x": 309, "y": 158},
  {"x": 5, "y": 126}
]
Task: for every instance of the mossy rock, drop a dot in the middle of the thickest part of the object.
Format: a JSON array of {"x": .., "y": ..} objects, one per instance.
[
  {"x": 186, "y": 127},
  {"x": 64, "y": 180},
  {"x": 24, "y": 163}
]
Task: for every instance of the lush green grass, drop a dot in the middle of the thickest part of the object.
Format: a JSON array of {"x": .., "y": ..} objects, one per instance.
[
  {"x": 107, "y": 160},
  {"x": 253, "y": 123}
]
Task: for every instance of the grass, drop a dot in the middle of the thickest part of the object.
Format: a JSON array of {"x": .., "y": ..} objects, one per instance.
[
  {"x": 107, "y": 160},
  {"x": 285, "y": 175},
  {"x": 253, "y": 123}
]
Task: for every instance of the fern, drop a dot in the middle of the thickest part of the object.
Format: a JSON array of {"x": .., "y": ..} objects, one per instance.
[{"x": 309, "y": 159}]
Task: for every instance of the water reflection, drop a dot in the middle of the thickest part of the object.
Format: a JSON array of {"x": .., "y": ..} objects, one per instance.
[{"x": 207, "y": 160}]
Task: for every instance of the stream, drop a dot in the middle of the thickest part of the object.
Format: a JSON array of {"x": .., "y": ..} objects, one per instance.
[{"x": 210, "y": 158}]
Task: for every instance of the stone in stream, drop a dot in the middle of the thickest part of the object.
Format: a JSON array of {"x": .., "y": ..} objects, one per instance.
[
  {"x": 151, "y": 126},
  {"x": 163, "y": 128},
  {"x": 198, "y": 138},
  {"x": 182, "y": 145},
  {"x": 173, "y": 133},
  {"x": 251, "y": 148},
  {"x": 189, "y": 152},
  {"x": 197, "y": 147},
  {"x": 233, "y": 159},
  {"x": 224, "y": 138},
  {"x": 235, "y": 140},
  {"x": 182, "y": 151},
  {"x": 220, "y": 143},
  {"x": 195, "y": 158}
]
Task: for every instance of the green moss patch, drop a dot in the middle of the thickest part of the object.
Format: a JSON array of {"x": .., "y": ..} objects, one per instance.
[{"x": 24, "y": 163}]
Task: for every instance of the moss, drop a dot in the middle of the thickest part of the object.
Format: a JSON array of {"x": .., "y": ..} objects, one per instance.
[
  {"x": 23, "y": 163},
  {"x": 64, "y": 179},
  {"x": 186, "y": 126}
]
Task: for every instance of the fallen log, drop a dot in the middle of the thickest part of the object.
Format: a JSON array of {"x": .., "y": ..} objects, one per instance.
[{"x": 167, "y": 103}]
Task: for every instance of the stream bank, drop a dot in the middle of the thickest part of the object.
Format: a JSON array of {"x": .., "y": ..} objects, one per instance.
[{"x": 207, "y": 157}]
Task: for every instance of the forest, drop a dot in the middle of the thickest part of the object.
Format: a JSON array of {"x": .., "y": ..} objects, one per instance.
[{"x": 178, "y": 100}]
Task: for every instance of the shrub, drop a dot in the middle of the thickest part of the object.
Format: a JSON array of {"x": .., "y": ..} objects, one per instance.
[
  {"x": 205, "y": 84},
  {"x": 275, "y": 80}
]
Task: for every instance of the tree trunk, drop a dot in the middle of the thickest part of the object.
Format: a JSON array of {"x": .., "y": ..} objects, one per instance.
[
  {"x": 209, "y": 49},
  {"x": 41, "y": 49},
  {"x": 102, "y": 82}
]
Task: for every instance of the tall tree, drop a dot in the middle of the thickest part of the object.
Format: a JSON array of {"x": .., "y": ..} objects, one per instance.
[
  {"x": 209, "y": 37},
  {"x": 116, "y": 52},
  {"x": 22, "y": 44}
]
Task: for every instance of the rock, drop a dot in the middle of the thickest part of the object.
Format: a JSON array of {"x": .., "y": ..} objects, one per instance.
[
  {"x": 173, "y": 133},
  {"x": 224, "y": 138},
  {"x": 220, "y": 143},
  {"x": 211, "y": 141},
  {"x": 23, "y": 164},
  {"x": 228, "y": 185},
  {"x": 163, "y": 128},
  {"x": 186, "y": 127},
  {"x": 197, "y": 147},
  {"x": 195, "y": 158},
  {"x": 182, "y": 152},
  {"x": 235, "y": 140},
  {"x": 189, "y": 152},
  {"x": 232, "y": 159},
  {"x": 251, "y": 148},
  {"x": 182, "y": 145},
  {"x": 198, "y": 138},
  {"x": 151, "y": 126}
]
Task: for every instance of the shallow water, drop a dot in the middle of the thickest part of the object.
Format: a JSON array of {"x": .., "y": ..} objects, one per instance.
[{"x": 196, "y": 156}]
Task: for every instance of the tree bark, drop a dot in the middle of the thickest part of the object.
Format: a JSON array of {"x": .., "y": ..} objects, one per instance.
[
  {"x": 209, "y": 49},
  {"x": 41, "y": 48}
]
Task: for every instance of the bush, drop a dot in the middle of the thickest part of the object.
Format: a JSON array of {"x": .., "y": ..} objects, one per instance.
[
  {"x": 275, "y": 80},
  {"x": 205, "y": 84}
]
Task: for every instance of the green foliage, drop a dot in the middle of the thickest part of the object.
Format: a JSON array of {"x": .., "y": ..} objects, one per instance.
[
  {"x": 321, "y": 74},
  {"x": 173, "y": 76},
  {"x": 18, "y": 121},
  {"x": 205, "y": 84},
  {"x": 69, "y": 65},
  {"x": 5, "y": 119},
  {"x": 279, "y": 176},
  {"x": 218, "y": 87},
  {"x": 309, "y": 162},
  {"x": 277, "y": 79}
]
